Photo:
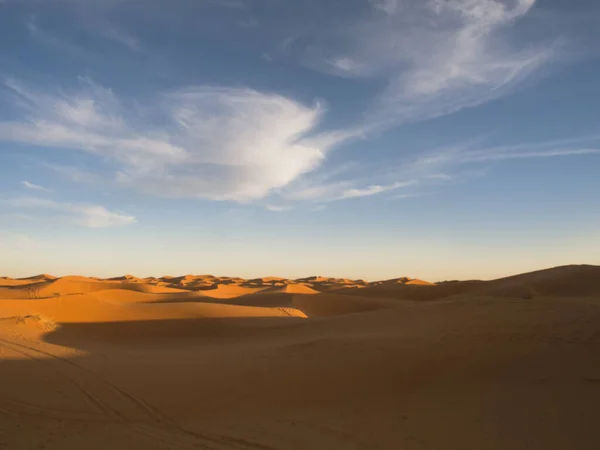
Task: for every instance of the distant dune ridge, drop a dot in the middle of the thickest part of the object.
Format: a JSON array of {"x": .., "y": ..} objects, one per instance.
[
  {"x": 208, "y": 362},
  {"x": 566, "y": 281}
]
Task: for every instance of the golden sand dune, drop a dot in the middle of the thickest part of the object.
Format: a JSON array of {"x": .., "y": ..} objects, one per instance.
[
  {"x": 75, "y": 285},
  {"x": 7, "y": 281},
  {"x": 130, "y": 296},
  {"x": 113, "y": 306},
  {"x": 230, "y": 291},
  {"x": 129, "y": 278},
  {"x": 40, "y": 277},
  {"x": 568, "y": 281},
  {"x": 291, "y": 289},
  {"x": 270, "y": 297},
  {"x": 267, "y": 280},
  {"x": 512, "y": 364},
  {"x": 402, "y": 281},
  {"x": 565, "y": 281}
]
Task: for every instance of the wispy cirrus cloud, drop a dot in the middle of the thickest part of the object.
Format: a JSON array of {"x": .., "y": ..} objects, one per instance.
[
  {"x": 278, "y": 208},
  {"x": 375, "y": 189},
  {"x": 205, "y": 142},
  {"x": 419, "y": 174},
  {"x": 35, "y": 187},
  {"x": 436, "y": 56},
  {"x": 357, "y": 185},
  {"x": 85, "y": 215},
  {"x": 475, "y": 154}
]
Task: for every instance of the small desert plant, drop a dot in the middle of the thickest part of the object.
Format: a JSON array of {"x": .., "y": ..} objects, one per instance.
[
  {"x": 33, "y": 291},
  {"x": 40, "y": 321}
]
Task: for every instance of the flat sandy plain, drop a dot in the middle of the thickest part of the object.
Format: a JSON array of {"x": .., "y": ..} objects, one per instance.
[{"x": 202, "y": 362}]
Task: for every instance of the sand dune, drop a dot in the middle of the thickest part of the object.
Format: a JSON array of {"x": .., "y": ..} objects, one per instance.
[
  {"x": 127, "y": 364},
  {"x": 230, "y": 291},
  {"x": 271, "y": 297},
  {"x": 327, "y": 304},
  {"x": 291, "y": 289},
  {"x": 76, "y": 285},
  {"x": 129, "y": 278},
  {"x": 568, "y": 281},
  {"x": 7, "y": 281},
  {"x": 81, "y": 308},
  {"x": 565, "y": 281}
]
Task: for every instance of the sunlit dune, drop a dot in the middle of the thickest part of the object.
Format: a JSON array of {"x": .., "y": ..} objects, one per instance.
[
  {"x": 114, "y": 306},
  {"x": 292, "y": 289},
  {"x": 212, "y": 362},
  {"x": 230, "y": 291},
  {"x": 7, "y": 281}
]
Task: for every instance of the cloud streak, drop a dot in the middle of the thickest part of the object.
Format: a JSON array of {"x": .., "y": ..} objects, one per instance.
[
  {"x": 466, "y": 155},
  {"x": 431, "y": 169},
  {"x": 85, "y": 215},
  {"x": 35, "y": 187}
]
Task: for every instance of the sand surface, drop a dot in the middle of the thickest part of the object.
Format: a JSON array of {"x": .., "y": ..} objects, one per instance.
[{"x": 207, "y": 362}]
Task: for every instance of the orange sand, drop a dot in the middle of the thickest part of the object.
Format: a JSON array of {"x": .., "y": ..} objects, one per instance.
[{"x": 203, "y": 362}]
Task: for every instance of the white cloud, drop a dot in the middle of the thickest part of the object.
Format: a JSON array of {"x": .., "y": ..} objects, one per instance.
[
  {"x": 437, "y": 167},
  {"x": 437, "y": 56},
  {"x": 229, "y": 144},
  {"x": 472, "y": 159},
  {"x": 473, "y": 153},
  {"x": 310, "y": 190},
  {"x": 278, "y": 208},
  {"x": 329, "y": 191},
  {"x": 91, "y": 216},
  {"x": 374, "y": 189},
  {"x": 464, "y": 64},
  {"x": 433, "y": 56},
  {"x": 34, "y": 187},
  {"x": 215, "y": 143},
  {"x": 94, "y": 216}
]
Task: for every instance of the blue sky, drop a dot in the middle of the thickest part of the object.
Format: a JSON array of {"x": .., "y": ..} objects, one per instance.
[{"x": 439, "y": 139}]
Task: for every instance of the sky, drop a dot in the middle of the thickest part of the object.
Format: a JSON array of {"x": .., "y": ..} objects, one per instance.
[{"x": 438, "y": 139}]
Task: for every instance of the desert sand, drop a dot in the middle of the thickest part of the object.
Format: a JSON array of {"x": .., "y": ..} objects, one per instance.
[{"x": 207, "y": 362}]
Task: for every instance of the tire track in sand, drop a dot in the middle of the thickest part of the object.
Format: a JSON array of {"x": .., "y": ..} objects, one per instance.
[{"x": 136, "y": 414}]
